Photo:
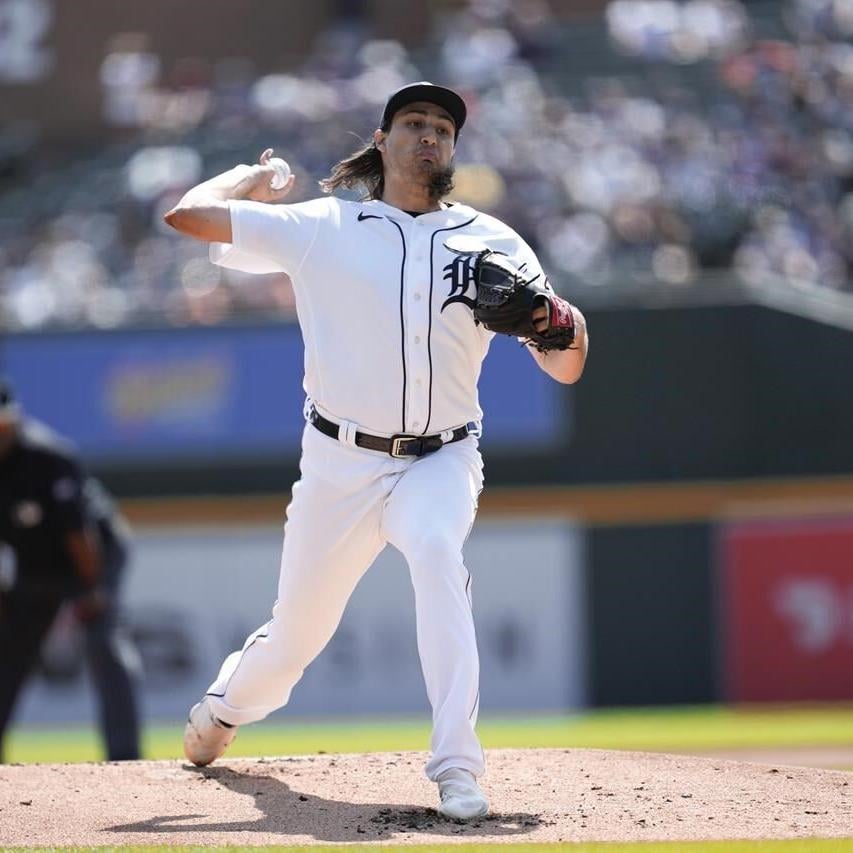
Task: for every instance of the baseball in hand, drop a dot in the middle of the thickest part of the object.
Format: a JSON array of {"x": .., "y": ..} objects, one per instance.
[{"x": 282, "y": 172}]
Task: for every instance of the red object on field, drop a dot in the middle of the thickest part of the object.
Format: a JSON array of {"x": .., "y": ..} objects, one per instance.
[{"x": 787, "y": 610}]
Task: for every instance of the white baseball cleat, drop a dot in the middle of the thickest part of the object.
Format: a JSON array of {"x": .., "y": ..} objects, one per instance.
[
  {"x": 461, "y": 796},
  {"x": 205, "y": 736}
]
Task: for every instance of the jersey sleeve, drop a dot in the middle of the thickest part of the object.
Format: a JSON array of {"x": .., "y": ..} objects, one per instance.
[{"x": 270, "y": 237}]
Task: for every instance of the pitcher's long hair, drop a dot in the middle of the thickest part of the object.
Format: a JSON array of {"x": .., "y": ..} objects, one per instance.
[{"x": 361, "y": 168}]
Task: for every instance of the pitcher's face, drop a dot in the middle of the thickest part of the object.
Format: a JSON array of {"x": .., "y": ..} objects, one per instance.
[{"x": 419, "y": 143}]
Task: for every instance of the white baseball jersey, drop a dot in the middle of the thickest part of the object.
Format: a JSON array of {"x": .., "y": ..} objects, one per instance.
[{"x": 385, "y": 307}]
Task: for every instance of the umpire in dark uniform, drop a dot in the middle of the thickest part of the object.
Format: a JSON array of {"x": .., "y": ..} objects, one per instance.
[{"x": 68, "y": 544}]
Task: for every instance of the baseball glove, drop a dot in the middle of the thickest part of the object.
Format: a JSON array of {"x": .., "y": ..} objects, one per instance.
[{"x": 506, "y": 300}]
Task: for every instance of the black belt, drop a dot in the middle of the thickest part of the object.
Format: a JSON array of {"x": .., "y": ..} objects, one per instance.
[{"x": 399, "y": 445}]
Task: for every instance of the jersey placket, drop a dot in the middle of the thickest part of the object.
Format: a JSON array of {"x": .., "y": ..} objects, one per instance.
[{"x": 417, "y": 315}]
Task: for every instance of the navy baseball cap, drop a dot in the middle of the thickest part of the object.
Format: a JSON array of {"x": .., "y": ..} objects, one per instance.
[{"x": 432, "y": 94}]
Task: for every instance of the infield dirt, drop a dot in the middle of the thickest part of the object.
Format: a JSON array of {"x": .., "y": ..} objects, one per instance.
[{"x": 536, "y": 796}]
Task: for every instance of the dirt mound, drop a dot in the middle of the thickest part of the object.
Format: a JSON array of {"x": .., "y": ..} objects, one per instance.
[{"x": 536, "y": 795}]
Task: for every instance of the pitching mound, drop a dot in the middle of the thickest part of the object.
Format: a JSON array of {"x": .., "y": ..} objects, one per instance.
[{"x": 536, "y": 795}]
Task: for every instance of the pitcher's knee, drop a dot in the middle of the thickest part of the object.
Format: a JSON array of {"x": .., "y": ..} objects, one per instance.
[{"x": 433, "y": 548}]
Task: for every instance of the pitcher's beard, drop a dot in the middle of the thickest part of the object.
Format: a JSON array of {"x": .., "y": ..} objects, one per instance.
[{"x": 439, "y": 182}]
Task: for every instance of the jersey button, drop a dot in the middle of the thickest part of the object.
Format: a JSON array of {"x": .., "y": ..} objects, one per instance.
[
  {"x": 417, "y": 297},
  {"x": 416, "y": 424},
  {"x": 417, "y": 339}
]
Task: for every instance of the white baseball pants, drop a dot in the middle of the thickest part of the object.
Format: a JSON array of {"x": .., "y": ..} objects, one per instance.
[{"x": 348, "y": 504}]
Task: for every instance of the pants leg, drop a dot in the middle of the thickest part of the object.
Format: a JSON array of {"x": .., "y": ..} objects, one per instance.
[
  {"x": 114, "y": 665},
  {"x": 428, "y": 517},
  {"x": 24, "y": 623},
  {"x": 111, "y": 659},
  {"x": 331, "y": 537}
]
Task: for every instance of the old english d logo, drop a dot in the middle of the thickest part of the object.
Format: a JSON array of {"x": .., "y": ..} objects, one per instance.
[{"x": 460, "y": 273}]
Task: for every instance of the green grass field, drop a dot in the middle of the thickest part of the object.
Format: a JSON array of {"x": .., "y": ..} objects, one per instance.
[{"x": 654, "y": 729}]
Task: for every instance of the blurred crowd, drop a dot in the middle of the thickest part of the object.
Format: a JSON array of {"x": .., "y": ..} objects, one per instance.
[{"x": 698, "y": 144}]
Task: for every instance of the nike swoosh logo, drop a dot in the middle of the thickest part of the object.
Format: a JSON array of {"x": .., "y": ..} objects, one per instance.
[{"x": 362, "y": 216}]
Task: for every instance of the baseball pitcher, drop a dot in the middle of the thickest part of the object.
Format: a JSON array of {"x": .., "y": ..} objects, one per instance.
[{"x": 398, "y": 297}]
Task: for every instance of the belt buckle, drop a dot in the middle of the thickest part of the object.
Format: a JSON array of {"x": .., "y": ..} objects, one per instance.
[{"x": 397, "y": 445}]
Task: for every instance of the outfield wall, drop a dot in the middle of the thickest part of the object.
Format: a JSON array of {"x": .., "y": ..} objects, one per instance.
[
  {"x": 645, "y": 596},
  {"x": 194, "y": 594}
]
